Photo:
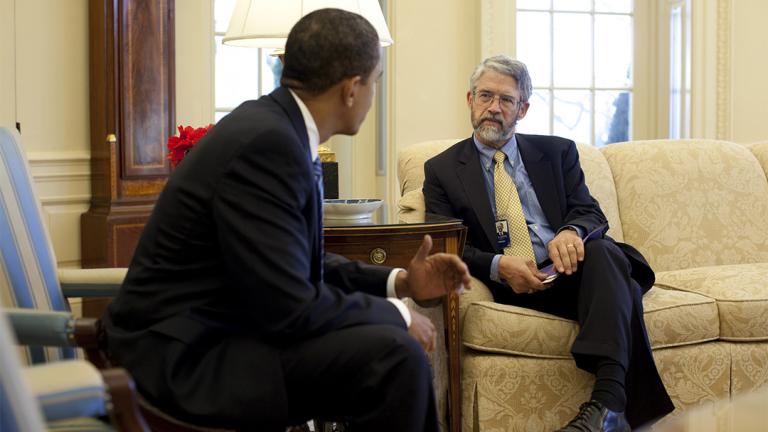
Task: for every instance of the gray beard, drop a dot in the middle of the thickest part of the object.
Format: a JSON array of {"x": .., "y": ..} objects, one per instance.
[{"x": 490, "y": 134}]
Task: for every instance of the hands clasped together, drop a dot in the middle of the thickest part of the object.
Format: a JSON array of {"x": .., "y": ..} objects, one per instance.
[{"x": 566, "y": 250}]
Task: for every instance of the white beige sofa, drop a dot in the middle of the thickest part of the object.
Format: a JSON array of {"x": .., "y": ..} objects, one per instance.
[{"x": 698, "y": 210}]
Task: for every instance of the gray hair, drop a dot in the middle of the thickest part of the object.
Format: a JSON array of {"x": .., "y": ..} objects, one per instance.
[{"x": 505, "y": 66}]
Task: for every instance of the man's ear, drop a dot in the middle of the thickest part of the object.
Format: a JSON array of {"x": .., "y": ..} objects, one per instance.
[
  {"x": 523, "y": 110},
  {"x": 349, "y": 90},
  {"x": 469, "y": 98}
]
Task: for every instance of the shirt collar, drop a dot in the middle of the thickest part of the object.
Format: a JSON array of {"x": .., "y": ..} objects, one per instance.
[
  {"x": 309, "y": 122},
  {"x": 486, "y": 153}
]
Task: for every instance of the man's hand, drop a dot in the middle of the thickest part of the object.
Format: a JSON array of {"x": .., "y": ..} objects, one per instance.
[
  {"x": 521, "y": 274},
  {"x": 422, "y": 330},
  {"x": 566, "y": 250},
  {"x": 431, "y": 276}
]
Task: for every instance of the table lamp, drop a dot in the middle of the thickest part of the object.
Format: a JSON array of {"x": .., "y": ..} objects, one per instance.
[{"x": 266, "y": 24}]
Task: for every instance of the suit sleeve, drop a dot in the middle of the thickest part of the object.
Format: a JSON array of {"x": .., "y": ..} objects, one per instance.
[
  {"x": 582, "y": 209},
  {"x": 436, "y": 201},
  {"x": 260, "y": 212},
  {"x": 350, "y": 276}
]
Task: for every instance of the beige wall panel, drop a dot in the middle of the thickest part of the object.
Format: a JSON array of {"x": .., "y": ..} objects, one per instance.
[
  {"x": 7, "y": 64},
  {"x": 63, "y": 186},
  {"x": 52, "y": 74},
  {"x": 51, "y": 90},
  {"x": 436, "y": 47},
  {"x": 194, "y": 62},
  {"x": 749, "y": 59}
]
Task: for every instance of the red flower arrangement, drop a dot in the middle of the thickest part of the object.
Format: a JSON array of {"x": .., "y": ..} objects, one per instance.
[{"x": 178, "y": 146}]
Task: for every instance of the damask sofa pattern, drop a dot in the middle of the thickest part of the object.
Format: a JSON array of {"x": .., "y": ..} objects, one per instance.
[{"x": 697, "y": 209}]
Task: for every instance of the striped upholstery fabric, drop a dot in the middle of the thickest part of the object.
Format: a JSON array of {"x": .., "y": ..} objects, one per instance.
[
  {"x": 28, "y": 276},
  {"x": 71, "y": 395},
  {"x": 18, "y": 410},
  {"x": 67, "y": 389}
]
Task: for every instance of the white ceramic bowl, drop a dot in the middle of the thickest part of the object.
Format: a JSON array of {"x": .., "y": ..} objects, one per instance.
[{"x": 350, "y": 208}]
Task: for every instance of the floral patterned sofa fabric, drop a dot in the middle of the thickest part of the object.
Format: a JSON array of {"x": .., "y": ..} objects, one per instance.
[
  {"x": 691, "y": 203},
  {"x": 698, "y": 210},
  {"x": 673, "y": 318},
  {"x": 741, "y": 292}
]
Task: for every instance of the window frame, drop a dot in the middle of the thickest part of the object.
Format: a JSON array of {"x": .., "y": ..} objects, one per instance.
[{"x": 592, "y": 89}]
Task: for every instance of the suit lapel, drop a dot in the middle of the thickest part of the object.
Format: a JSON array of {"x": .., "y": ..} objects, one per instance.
[
  {"x": 285, "y": 100},
  {"x": 542, "y": 178},
  {"x": 470, "y": 174}
]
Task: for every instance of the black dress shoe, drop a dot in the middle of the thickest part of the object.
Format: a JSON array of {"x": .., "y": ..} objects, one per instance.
[{"x": 594, "y": 417}]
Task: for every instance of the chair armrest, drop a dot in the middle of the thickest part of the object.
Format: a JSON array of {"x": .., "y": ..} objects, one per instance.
[
  {"x": 98, "y": 282},
  {"x": 75, "y": 388},
  {"x": 44, "y": 328},
  {"x": 50, "y": 328}
]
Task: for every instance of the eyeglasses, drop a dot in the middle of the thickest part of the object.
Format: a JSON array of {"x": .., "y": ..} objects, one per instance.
[{"x": 485, "y": 98}]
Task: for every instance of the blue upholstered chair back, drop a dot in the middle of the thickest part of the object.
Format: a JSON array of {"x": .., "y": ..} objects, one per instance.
[
  {"x": 28, "y": 271},
  {"x": 18, "y": 409}
]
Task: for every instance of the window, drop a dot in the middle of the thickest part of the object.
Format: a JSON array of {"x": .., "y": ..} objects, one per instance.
[
  {"x": 580, "y": 56},
  {"x": 240, "y": 73}
]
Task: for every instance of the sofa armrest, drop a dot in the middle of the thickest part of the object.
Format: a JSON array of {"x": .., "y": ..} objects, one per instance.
[
  {"x": 478, "y": 293},
  {"x": 98, "y": 282}
]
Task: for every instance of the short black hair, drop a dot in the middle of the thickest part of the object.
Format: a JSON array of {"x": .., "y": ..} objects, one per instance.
[{"x": 327, "y": 46}]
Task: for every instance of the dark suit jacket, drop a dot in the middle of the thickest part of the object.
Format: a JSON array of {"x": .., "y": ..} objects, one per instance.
[
  {"x": 232, "y": 251},
  {"x": 454, "y": 186}
]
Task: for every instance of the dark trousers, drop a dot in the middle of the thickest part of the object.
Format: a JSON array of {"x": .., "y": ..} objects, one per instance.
[
  {"x": 373, "y": 377},
  {"x": 376, "y": 378},
  {"x": 605, "y": 301}
]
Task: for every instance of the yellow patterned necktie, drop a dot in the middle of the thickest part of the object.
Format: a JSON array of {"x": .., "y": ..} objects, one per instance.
[{"x": 508, "y": 207}]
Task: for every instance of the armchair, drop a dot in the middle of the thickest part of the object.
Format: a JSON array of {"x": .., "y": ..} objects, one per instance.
[
  {"x": 29, "y": 277},
  {"x": 70, "y": 394}
]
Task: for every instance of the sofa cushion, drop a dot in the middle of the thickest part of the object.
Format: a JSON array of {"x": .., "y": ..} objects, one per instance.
[
  {"x": 673, "y": 318},
  {"x": 691, "y": 203},
  {"x": 741, "y": 293}
]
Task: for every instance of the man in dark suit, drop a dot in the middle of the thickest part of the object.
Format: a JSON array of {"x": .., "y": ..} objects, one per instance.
[
  {"x": 600, "y": 283},
  {"x": 230, "y": 316}
]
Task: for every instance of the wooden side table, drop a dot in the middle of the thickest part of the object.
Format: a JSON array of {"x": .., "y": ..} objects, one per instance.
[{"x": 392, "y": 240}]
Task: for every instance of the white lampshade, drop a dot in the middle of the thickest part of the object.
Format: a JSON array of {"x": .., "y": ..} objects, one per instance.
[{"x": 266, "y": 23}]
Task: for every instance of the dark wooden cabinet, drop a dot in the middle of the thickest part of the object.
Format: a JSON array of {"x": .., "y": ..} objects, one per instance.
[
  {"x": 132, "y": 93},
  {"x": 392, "y": 240}
]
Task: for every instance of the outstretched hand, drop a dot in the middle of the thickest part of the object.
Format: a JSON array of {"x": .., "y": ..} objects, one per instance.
[{"x": 432, "y": 276}]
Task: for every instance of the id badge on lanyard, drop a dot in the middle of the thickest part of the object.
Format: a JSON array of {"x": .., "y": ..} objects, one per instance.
[{"x": 502, "y": 233}]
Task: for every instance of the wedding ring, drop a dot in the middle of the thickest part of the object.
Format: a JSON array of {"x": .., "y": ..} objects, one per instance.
[{"x": 570, "y": 245}]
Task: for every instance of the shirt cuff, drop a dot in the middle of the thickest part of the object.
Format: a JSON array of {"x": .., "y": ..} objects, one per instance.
[
  {"x": 403, "y": 310},
  {"x": 392, "y": 296},
  {"x": 391, "y": 282},
  {"x": 579, "y": 230},
  {"x": 495, "y": 269}
]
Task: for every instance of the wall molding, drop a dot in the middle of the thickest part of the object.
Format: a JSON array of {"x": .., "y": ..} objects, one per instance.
[
  {"x": 497, "y": 27},
  {"x": 62, "y": 181},
  {"x": 724, "y": 88}
]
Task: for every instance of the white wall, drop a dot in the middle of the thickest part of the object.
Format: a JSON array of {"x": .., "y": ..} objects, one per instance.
[
  {"x": 51, "y": 103},
  {"x": 749, "y": 69},
  {"x": 44, "y": 85},
  {"x": 437, "y": 45},
  {"x": 194, "y": 62}
]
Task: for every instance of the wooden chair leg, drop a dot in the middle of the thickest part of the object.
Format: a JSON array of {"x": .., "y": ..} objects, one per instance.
[{"x": 124, "y": 409}]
